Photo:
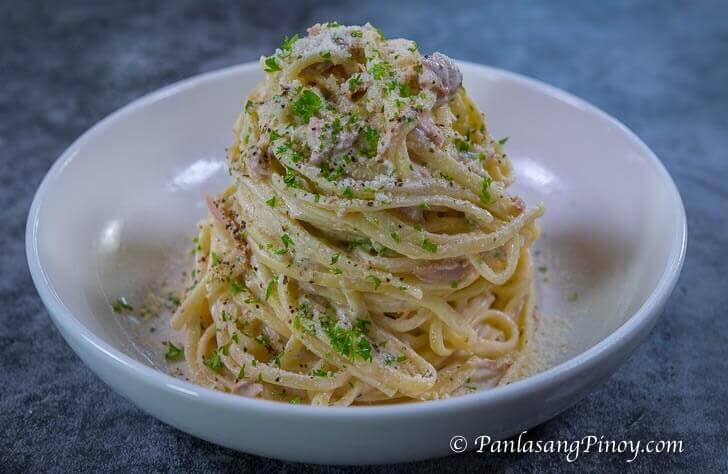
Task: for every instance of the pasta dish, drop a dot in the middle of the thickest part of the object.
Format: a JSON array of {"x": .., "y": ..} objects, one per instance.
[{"x": 367, "y": 250}]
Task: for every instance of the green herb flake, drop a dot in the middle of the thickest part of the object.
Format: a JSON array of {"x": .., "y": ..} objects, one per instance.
[
  {"x": 214, "y": 259},
  {"x": 503, "y": 141},
  {"x": 214, "y": 362},
  {"x": 395, "y": 236},
  {"x": 174, "y": 352},
  {"x": 269, "y": 289},
  {"x": 371, "y": 141},
  {"x": 264, "y": 341},
  {"x": 356, "y": 33},
  {"x": 355, "y": 82},
  {"x": 404, "y": 90},
  {"x": 362, "y": 325},
  {"x": 485, "y": 190},
  {"x": 378, "y": 71},
  {"x": 287, "y": 240},
  {"x": 350, "y": 343},
  {"x": 235, "y": 288},
  {"x": 462, "y": 145},
  {"x": 307, "y": 105},
  {"x": 271, "y": 65},
  {"x": 348, "y": 192},
  {"x": 320, "y": 373},
  {"x": 241, "y": 374},
  {"x": 121, "y": 305},
  {"x": 271, "y": 202},
  {"x": 290, "y": 178},
  {"x": 288, "y": 43},
  {"x": 376, "y": 281},
  {"x": 429, "y": 246}
]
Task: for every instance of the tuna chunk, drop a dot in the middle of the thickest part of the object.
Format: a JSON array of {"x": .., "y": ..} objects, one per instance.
[
  {"x": 442, "y": 271},
  {"x": 442, "y": 76},
  {"x": 257, "y": 162}
]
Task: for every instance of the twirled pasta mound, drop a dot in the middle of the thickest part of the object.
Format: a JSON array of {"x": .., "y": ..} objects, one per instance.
[{"x": 367, "y": 250}]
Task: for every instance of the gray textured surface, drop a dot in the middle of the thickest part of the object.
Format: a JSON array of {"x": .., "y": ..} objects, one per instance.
[{"x": 660, "y": 67}]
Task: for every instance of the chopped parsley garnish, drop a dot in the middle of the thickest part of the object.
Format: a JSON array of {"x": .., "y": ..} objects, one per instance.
[
  {"x": 325, "y": 54},
  {"x": 332, "y": 24},
  {"x": 241, "y": 374},
  {"x": 381, "y": 33},
  {"x": 354, "y": 82},
  {"x": 362, "y": 325},
  {"x": 414, "y": 47},
  {"x": 378, "y": 70},
  {"x": 288, "y": 43},
  {"x": 335, "y": 258},
  {"x": 214, "y": 259},
  {"x": 286, "y": 239},
  {"x": 248, "y": 105},
  {"x": 371, "y": 140},
  {"x": 307, "y": 105},
  {"x": 329, "y": 174},
  {"x": 264, "y": 341},
  {"x": 320, "y": 373},
  {"x": 348, "y": 192},
  {"x": 271, "y": 202},
  {"x": 376, "y": 281},
  {"x": 395, "y": 236},
  {"x": 235, "y": 288},
  {"x": 351, "y": 343},
  {"x": 485, "y": 190},
  {"x": 462, "y": 145},
  {"x": 214, "y": 362},
  {"x": 269, "y": 289},
  {"x": 356, "y": 33},
  {"x": 290, "y": 178},
  {"x": 428, "y": 245},
  {"x": 121, "y": 305},
  {"x": 503, "y": 141},
  {"x": 173, "y": 352},
  {"x": 404, "y": 90},
  {"x": 296, "y": 157},
  {"x": 271, "y": 65}
]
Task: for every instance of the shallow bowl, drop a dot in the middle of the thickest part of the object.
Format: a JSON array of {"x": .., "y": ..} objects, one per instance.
[{"x": 123, "y": 199}]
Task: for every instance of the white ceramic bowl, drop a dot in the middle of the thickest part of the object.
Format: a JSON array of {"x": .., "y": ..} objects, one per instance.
[{"x": 124, "y": 196}]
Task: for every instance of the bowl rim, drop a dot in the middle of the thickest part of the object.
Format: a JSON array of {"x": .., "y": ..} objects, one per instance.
[{"x": 615, "y": 342}]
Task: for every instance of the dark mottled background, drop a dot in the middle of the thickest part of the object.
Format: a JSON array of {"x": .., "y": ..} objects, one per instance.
[{"x": 661, "y": 67}]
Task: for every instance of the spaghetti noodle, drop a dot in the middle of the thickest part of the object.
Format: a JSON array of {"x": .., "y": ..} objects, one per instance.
[{"x": 367, "y": 250}]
